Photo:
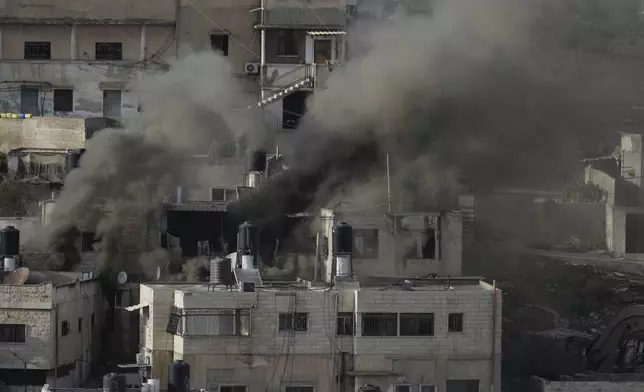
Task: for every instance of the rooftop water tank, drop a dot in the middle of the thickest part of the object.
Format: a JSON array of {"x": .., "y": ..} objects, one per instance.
[
  {"x": 257, "y": 161},
  {"x": 9, "y": 241},
  {"x": 178, "y": 376},
  {"x": 221, "y": 271},
  {"x": 248, "y": 239}
]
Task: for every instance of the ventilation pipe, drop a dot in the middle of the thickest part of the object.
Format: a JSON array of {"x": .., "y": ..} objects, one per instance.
[
  {"x": 342, "y": 249},
  {"x": 256, "y": 168},
  {"x": 247, "y": 246}
]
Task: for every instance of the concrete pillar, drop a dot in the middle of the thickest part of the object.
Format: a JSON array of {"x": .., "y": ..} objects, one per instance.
[
  {"x": 263, "y": 48},
  {"x": 72, "y": 43},
  {"x": 144, "y": 42},
  {"x": 0, "y": 43},
  {"x": 309, "y": 43}
]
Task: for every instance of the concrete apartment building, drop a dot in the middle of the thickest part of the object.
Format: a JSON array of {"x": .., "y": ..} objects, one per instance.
[
  {"x": 421, "y": 336},
  {"x": 49, "y": 330}
]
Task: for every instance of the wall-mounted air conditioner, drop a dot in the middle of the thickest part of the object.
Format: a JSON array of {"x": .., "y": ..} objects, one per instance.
[{"x": 252, "y": 68}]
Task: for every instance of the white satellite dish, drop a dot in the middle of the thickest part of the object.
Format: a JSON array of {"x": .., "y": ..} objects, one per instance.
[
  {"x": 158, "y": 273},
  {"x": 121, "y": 278}
]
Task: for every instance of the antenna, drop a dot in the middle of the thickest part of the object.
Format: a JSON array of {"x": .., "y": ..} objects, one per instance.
[
  {"x": 121, "y": 278},
  {"x": 17, "y": 277}
]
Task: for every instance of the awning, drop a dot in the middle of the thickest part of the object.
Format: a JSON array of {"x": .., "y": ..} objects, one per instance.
[
  {"x": 135, "y": 307},
  {"x": 326, "y": 32}
]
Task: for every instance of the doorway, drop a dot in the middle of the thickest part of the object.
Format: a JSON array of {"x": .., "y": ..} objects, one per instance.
[
  {"x": 29, "y": 101},
  {"x": 323, "y": 50},
  {"x": 293, "y": 108},
  {"x": 635, "y": 233}
]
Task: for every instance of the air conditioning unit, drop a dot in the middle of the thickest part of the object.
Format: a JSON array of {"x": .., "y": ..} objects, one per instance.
[{"x": 252, "y": 68}]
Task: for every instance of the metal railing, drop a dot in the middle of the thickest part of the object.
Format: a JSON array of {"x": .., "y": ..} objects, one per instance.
[
  {"x": 308, "y": 75},
  {"x": 288, "y": 77}
]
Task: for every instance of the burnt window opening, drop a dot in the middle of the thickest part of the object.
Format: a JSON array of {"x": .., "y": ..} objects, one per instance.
[
  {"x": 80, "y": 324},
  {"x": 88, "y": 239},
  {"x": 416, "y": 324},
  {"x": 223, "y": 194},
  {"x": 64, "y": 328},
  {"x": 365, "y": 243},
  {"x": 379, "y": 324},
  {"x": 109, "y": 51},
  {"x": 37, "y": 51},
  {"x": 63, "y": 100},
  {"x": 424, "y": 246},
  {"x": 287, "y": 43},
  {"x": 219, "y": 43},
  {"x": 455, "y": 322},
  {"x": 13, "y": 333},
  {"x": 295, "y": 322},
  {"x": 93, "y": 319},
  {"x": 346, "y": 324}
]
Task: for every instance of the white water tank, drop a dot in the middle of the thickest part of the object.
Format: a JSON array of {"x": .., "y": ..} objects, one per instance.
[
  {"x": 247, "y": 262},
  {"x": 9, "y": 264},
  {"x": 343, "y": 265}
]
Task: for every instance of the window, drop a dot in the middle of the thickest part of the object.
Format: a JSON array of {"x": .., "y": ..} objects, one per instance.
[
  {"x": 425, "y": 247},
  {"x": 379, "y": 324},
  {"x": 219, "y": 43},
  {"x": 462, "y": 385},
  {"x": 221, "y": 194},
  {"x": 416, "y": 324},
  {"x": 63, "y": 100},
  {"x": 112, "y": 103},
  {"x": 93, "y": 320},
  {"x": 297, "y": 322},
  {"x": 365, "y": 243},
  {"x": 88, "y": 239},
  {"x": 109, "y": 51},
  {"x": 13, "y": 333},
  {"x": 403, "y": 388},
  {"x": 455, "y": 322},
  {"x": 29, "y": 101},
  {"x": 299, "y": 389},
  {"x": 232, "y": 388},
  {"x": 64, "y": 328},
  {"x": 428, "y": 388},
  {"x": 225, "y": 322},
  {"x": 286, "y": 43},
  {"x": 80, "y": 324},
  {"x": 37, "y": 50},
  {"x": 346, "y": 322}
]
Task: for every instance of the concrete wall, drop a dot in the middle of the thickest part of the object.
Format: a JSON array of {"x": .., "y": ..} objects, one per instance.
[
  {"x": 592, "y": 386},
  {"x": 92, "y": 10},
  {"x": 157, "y": 343},
  {"x": 42, "y": 132},
  {"x": 392, "y": 247}
]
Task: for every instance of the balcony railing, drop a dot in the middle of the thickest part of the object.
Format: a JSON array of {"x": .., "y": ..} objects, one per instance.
[{"x": 278, "y": 76}]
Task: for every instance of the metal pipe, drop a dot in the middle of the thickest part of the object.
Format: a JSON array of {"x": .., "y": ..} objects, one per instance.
[
  {"x": 388, "y": 185},
  {"x": 493, "y": 367}
]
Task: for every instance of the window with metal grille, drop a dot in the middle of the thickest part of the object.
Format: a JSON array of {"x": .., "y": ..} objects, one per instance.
[
  {"x": 346, "y": 322},
  {"x": 63, "y": 100},
  {"x": 219, "y": 43},
  {"x": 222, "y": 322},
  {"x": 109, "y": 51},
  {"x": 428, "y": 388},
  {"x": 365, "y": 243},
  {"x": 286, "y": 43},
  {"x": 403, "y": 388},
  {"x": 379, "y": 324},
  {"x": 37, "y": 51},
  {"x": 64, "y": 328},
  {"x": 416, "y": 324},
  {"x": 455, "y": 322},
  {"x": 296, "y": 322},
  {"x": 232, "y": 388},
  {"x": 13, "y": 333},
  {"x": 300, "y": 388},
  {"x": 173, "y": 321}
]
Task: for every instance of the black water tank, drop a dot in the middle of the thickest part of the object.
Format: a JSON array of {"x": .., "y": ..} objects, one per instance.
[
  {"x": 73, "y": 158},
  {"x": 342, "y": 238},
  {"x": 257, "y": 161},
  {"x": 248, "y": 239},
  {"x": 221, "y": 271},
  {"x": 9, "y": 241},
  {"x": 114, "y": 382},
  {"x": 178, "y": 376}
]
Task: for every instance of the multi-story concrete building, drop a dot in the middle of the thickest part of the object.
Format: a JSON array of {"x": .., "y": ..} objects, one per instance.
[
  {"x": 421, "y": 335},
  {"x": 49, "y": 330},
  {"x": 69, "y": 60}
]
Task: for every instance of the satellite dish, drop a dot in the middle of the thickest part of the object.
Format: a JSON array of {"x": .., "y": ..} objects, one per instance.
[
  {"x": 158, "y": 273},
  {"x": 121, "y": 278},
  {"x": 18, "y": 276}
]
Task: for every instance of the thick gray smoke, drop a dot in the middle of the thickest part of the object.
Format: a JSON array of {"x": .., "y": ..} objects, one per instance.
[{"x": 125, "y": 173}]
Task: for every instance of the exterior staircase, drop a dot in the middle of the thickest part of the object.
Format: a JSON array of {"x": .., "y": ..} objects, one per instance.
[{"x": 298, "y": 78}]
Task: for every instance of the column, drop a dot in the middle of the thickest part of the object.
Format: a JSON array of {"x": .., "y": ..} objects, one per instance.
[
  {"x": 144, "y": 42},
  {"x": 72, "y": 43},
  {"x": 0, "y": 43}
]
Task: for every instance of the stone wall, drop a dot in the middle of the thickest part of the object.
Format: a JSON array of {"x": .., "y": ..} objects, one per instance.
[{"x": 42, "y": 132}]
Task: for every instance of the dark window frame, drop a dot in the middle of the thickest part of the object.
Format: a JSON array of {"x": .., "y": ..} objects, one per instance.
[
  {"x": 37, "y": 50},
  {"x": 455, "y": 322},
  {"x": 293, "y": 322},
  {"x": 417, "y": 324},
  {"x": 80, "y": 324},
  {"x": 222, "y": 47},
  {"x": 108, "y": 112},
  {"x": 64, "y": 328},
  {"x": 93, "y": 319},
  {"x": 233, "y": 388},
  {"x": 13, "y": 333},
  {"x": 299, "y": 388},
  {"x": 66, "y": 101},
  {"x": 287, "y": 45},
  {"x": 88, "y": 239},
  {"x": 427, "y": 388},
  {"x": 110, "y": 51},
  {"x": 346, "y": 324},
  {"x": 380, "y": 324},
  {"x": 371, "y": 251},
  {"x": 403, "y": 388}
]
